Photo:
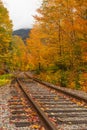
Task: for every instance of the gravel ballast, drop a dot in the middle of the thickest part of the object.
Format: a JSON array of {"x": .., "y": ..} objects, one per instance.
[{"x": 4, "y": 109}]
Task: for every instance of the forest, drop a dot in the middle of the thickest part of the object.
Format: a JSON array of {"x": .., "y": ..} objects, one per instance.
[{"x": 56, "y": 50}]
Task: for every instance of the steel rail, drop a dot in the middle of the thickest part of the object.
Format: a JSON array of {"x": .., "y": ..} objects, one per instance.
[
  {"x": 71, "y": 94},
  {"x": 46, "y": 120}
]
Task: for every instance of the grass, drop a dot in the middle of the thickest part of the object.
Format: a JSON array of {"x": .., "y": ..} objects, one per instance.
[{"x": 5, "y": 79}]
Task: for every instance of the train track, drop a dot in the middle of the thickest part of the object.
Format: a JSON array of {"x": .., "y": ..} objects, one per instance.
[
  {"x": 24, "y": 112},
  {"x": 68, "y": 92},
  {"x": 57, "y": 110}
]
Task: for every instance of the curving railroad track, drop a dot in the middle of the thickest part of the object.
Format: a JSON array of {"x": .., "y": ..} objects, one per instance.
[{"x": 57, "y": 110}]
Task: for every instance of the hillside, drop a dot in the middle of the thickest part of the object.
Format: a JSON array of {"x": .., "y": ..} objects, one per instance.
[{"x": 24, "y": 33}]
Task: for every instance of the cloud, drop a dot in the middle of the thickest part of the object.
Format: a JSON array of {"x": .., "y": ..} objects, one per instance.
[{"x": 21, "y": 12}]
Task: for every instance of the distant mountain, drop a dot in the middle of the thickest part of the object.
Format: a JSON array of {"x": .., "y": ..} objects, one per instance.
[{"x": 23, "y": 33}]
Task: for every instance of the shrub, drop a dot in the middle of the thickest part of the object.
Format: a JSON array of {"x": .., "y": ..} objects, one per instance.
[{"x": 4, "y": 79}]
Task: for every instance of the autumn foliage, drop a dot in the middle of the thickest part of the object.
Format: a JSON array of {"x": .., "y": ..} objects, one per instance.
[
  {"x": 58, "y": 42},
  {"x": 57, "y": 46},
  {"x": 5, "y": 35}
]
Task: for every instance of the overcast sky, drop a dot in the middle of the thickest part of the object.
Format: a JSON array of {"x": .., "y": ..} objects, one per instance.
[{"x": 21, "y": 12}]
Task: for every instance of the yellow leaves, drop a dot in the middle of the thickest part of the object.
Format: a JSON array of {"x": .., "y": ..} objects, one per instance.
[
  {"x": 19, "y": 54},
  {"x": 81, "y": 83},
  {"x": 56, "y": 98},
  {"x": 79, "y": 103},
  {"x": 35, "y": 126},
  {"x": 72, "y": 85},
  {"x": 5, "y": 33},
  {"x": 6, "y": 40},
  {"x": 84, "y": 88}
]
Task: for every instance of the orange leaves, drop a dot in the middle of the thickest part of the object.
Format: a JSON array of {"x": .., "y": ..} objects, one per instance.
[
  {"x": 58, "y": 38},
  {"x": 42, "y": 128},
  {"x": 35, "y": 126},
  {"x": 35, "y": 47}
]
